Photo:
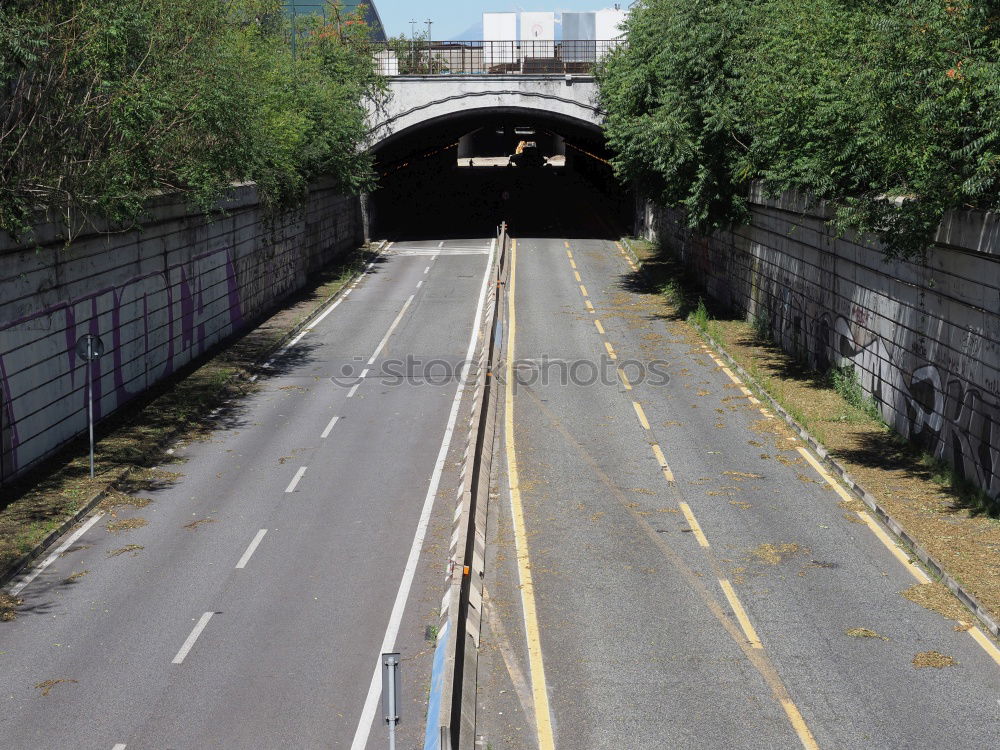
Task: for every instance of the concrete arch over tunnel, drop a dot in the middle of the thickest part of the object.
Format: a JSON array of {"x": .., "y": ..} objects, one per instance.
[
  {"x": 417, "y": 101},
  {"x": 426, "y": 189}
]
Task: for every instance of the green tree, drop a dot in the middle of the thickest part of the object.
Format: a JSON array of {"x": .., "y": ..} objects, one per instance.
[
  {"x": 103, "y": 102},
  {"x": 886, "y": 109}
]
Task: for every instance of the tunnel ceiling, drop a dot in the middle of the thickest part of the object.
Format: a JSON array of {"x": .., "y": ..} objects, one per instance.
[{"x": 430, "y": 136}]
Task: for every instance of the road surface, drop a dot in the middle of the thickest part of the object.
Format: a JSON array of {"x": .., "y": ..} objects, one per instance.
[
  {"x": 666, "y": 567},
  {"x": 306, "y": 536}
]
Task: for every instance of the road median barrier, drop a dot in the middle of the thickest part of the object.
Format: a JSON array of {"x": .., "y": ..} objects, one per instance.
[{"x": 451, "y": 715}]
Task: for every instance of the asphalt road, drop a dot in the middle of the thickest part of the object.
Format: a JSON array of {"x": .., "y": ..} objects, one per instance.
[
  {"x": 308, "y": 534},
  {"x": 666, "y": 568}
]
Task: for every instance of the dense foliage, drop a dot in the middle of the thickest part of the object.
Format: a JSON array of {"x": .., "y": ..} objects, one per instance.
[
  {"x": 104, "y": 101},
  {"x": 889, "y": 109}
]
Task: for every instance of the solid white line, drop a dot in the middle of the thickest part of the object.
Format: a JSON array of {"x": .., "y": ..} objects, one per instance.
[
  {"x": 420, "y": 283},
  {"x": 354, "y": 388},
  {"x": 385, "y": 339},
  {"x": 389, "y": 641},
  {"x": 18, "y": 588},
  {"x": 119, "y": 746},
  {"x": 329, "y": 428},
  {"x": 189, "y": 643},
  {"x": 296, "y": 479},
  {"x": 250, "y": 550}
]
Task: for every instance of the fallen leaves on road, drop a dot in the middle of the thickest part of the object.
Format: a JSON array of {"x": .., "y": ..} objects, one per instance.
[
  {"x": 76, "y": 576},
  {"x": 938, "y": 598},
  {"x": 115, "y": 499},
  {"x": 739, "y": 476},
  {"x": 933, "y": 659},
  {"x": 8, "y": 607},
  {"x": 195, "y": 524},
  {"x": 133, "y": 548},
  {"x": 126, "y": 524},
  {"x": 46, "y": 687},
  {"x": 772, "y": 554},
  {"x": 864, "y": 633}
]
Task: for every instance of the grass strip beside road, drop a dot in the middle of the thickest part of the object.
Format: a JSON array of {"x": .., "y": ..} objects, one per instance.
[
  {"x": 948, "y": 518},
  {"x": 131, "y": 444}
]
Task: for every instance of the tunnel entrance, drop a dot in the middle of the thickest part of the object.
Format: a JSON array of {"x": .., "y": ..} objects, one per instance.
[{"x": 461, "y": 176}]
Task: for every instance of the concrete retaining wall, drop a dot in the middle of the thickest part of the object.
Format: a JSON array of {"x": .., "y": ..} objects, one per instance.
[
  {"x": 923, "y": 337},
  {"x": 158, "y": 298}
]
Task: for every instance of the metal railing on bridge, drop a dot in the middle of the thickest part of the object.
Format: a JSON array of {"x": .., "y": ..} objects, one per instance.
[{"x": 531, "y": 57}]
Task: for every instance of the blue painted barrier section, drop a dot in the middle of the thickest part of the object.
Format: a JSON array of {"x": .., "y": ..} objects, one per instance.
[{"x": 432, "y": 737}]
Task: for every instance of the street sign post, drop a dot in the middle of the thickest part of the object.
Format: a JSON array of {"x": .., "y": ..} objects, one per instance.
[
  {"x": 90, "y": 348},
  {"x": 391, "y": 693}
]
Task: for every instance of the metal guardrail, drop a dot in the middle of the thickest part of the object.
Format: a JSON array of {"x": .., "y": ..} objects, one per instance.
[
  {"x": 451, "y": 715},
  {"x": 531, "y": 57}
]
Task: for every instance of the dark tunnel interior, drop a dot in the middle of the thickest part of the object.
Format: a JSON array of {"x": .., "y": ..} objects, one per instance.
[{"x": 455, "y": 177}]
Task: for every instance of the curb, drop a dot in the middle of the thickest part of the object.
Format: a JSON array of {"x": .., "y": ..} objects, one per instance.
[
  {"x": 883, "y": 517},
  {"x": 22, "y": 563}
]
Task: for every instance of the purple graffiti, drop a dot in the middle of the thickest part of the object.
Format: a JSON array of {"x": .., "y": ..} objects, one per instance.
[{"x": 151, "y": 324}]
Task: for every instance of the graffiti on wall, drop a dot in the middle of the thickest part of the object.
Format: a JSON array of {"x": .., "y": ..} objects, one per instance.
[
  {"x": 940, "y": 411},
  {"x": 927, "y": 399},
  {"x": 151, "y": 324}
]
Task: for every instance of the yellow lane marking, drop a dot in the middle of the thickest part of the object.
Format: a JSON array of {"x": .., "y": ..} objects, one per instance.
[
  {"x": 566, "y": 243},
  {"x": 695, "y": 526},
  {"x": 641, "y": 414},
  {"x": 577, "y": 275},
  {"x": 915, "y": 570},
  {"x": 659, "y": 455},
  {"x": 988, "y": 646},
  {"x": 894, "y": 548},
  {"x": 600, "y": 328},
  {"x": 611, "y": 351},
  {"x": 620, "y": 248},
  {"x": 668, "y": 473},
  {"x": 583, "y": 290},
  {"x": 732, "y": 377},
  {"x": 572, "y": 264},
  {"x": 624, "y": 378},
  {"x": 741, "y": 614},
  {"x": 589, "y": 306},
  {"x": 543, "y": 717},
  {"x": 870, "y": 522},
  {"x": 570, "y": 254},
  {"x": 799, "y": 725}
]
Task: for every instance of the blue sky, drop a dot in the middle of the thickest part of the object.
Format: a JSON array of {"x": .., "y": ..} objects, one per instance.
[{"x": 452, "y": 17}]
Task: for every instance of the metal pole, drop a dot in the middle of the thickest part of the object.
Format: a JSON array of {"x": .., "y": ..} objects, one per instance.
[
  {"x": 413, "y": 44},
  {"x": 392, "y": 705},
  {"x": 90, "y": 402},
  {"x": 430, "y": 47}
]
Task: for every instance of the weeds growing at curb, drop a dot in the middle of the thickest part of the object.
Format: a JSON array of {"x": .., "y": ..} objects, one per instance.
[{"x": 844, "y": 380}]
